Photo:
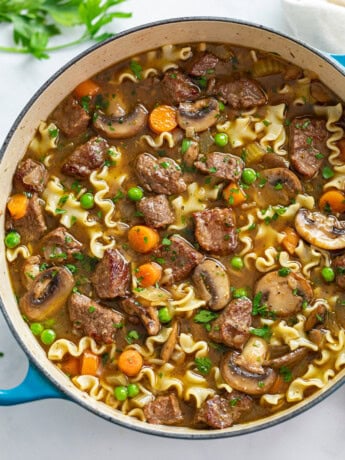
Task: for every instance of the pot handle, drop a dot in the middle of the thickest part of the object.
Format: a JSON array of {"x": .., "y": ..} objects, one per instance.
[
  {"x": 35, "y": 386},
  {"x": 339, "y": 58}
]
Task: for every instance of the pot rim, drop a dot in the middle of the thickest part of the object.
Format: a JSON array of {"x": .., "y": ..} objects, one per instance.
[{"x": 130, "y": 422}]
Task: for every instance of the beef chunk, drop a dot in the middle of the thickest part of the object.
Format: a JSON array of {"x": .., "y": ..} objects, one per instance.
[
  {"x": 164, "y": 410},
  {"x": 215, "y": 230},
  {"x": 161, "y": 175},
  {"x": 240, "y": 94},
  {"x": 92, "y": 319},
  {"x": 178, "y": 87},
  {"x": 191, "y": 154},
  {"x": 201, "y": 64},
  {"x": 156, "y": 211},
  {"x": 222, "y": 165},
  {"x": 179, "y": 256},
  {"x": 223, "y": 411},
  {"x": 59, "y": 246},
  {"x": 147, "y": 315},
  {"x": 339, "y": 266},
  {"x": 32, "y": 226},
  {"x": 71, "y": 118},
  {"x": 308, "y": 138},
  {"x": 86, "y": 158},
  {"x": 30, "y": 176},
  {"x": 111, "y": 277},
  {"x": 232, "y": 326}
]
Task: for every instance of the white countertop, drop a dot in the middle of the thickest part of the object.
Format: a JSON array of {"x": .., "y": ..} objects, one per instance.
[{"x": 57, "y": 429}]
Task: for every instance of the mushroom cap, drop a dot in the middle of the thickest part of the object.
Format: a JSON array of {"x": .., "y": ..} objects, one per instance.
[
  {"x": 121, "y": 127},
  {"x": 48, "y": 293},
  {"x": 212, "y": 283},
  {"x": 283, "y": 295},
  {"x": 199, "y": 115},
  {"x": 269, "y": 194},
  {"x": 243, "y": 380},
  {"x": 325, "y": 232}
]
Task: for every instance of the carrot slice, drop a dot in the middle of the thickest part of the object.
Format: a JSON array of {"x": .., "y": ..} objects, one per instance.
[
  {"x": 149, "y": 274},
  {"x": 71, "y": 366},
  {"x": 333, "y": 201},
  {"x": 130, "y": 362},
  {"x": 143, "y": 239},
  {"x": 290, "y": 240},
  {"x": 163, "y": 118},
  {"x": 18, "y": 205},
  {"x": 89, "y": 363},
  {"x": 86, "y": 88},
  {"x": 234, "y": 195}
]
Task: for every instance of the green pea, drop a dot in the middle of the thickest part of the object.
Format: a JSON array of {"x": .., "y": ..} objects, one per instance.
[
  {"x": 185, "y": 145},
  {"x": 36, "y": 328},
  {"x": 164, "y": 315},
  {"x": 327, "y": 172},
  {"x": 87, "y": 200},
  {"x": 248, "y": 176},
  {"x": 237, "y": 263},
  {"x": 132, "y": 390},
  {"x": 12, "y": 239},
  {"x": 239, "y": 292},
  {"x": 48, "y": 336},
  {"x": 121, "y": 393},
  {"x": 221, "y": 139},
  {"x": 284, "y": 271},
  {"x": 328, "y": 274},
  {"x": 135, "y": 193}
]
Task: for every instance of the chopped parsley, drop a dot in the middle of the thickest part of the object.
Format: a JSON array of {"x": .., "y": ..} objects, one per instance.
[
  {"x": 205, "y": 316},
  {"x": 284, "y": 271},
  {"x": 91, "y": 309},
  {"x": 264, "y": 332},
  {"x": 136, "y": 69},
  {"x": 132, "y": 335},
  {"x": 166, "y": 241},
  {"x": 285, "y": 373},
  {"x": 203, "y": 364}
]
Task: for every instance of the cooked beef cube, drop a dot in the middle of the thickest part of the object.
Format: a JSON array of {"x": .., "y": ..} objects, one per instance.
[
  {"x": 232, "y": 326},
  {"x": 86, "y": 158},
  {"x": 179, "y": 256},
  {"x": 178, "y": 87},
  {"x": 339, "y": 266},
  {"x": 147, "y": 315},
  {"x": 215, "y": 230},
  {"x": 202, "y": 64},
  {"x": 164, "y": 410},
  {"x": 239, "y": 94},
  {"x": 191, "y": 154},
  {"x": 156, "y": 211},
  {"x": 30, "y": 269},
  {"x": 308, "y": 138},
  {"x": 32, "y": 226},
  {"x": 71, "y": 118},
  {"x": 223, "y": 411},
  {"x": 59, "y": 246},
  {"x": 92, "y": 319},
  {"x": 111, "y": 277},
  {"x": 159, "y": 175},
  {"x": 222, "y": 165},
  {"x": 30, "y": 176}
]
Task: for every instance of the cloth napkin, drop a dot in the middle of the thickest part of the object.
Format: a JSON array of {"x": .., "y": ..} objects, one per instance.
[{"x": 320, "y": 23}]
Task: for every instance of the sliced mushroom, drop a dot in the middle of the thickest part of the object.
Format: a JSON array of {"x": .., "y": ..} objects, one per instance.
[
  {"x": 325, "y": 232},
  {"x": 243, "y": 380},
  {"x": 200, "y": 115},
  {"x": 339, "y": 310},
  {"x": 30, "y": 270},
  {"x": 168, "y": 347},
  {"x": 253, "y": 355},
  {"x": 315, "y": 316},
  {"x": 281, "y": 187},
  {"x": 318, "y": 336},
  {"x": 212, "y": 284},
  {"x": 272, "y": 160},
  {"x": 121, "y": 127},
  {"x": 320, "y": 92},
  {"x": 289, "y": 359},
  {"x": 147, "y": 315},
  {"x": 48, "y": 293},
  {"x": 283, "y": 295}
]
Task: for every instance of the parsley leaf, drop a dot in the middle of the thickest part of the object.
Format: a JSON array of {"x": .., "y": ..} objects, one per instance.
[
  {"x": 205, "y": 316},
  {"x": 264, "y": 332},
  {"x": 203, "y": 364}
]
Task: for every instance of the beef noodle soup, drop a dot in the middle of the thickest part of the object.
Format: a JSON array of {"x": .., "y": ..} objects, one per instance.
[{"x": 175, "y": 235}]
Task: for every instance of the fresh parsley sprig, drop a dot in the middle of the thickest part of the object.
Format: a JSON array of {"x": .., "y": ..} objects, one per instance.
[{"x": 35, "y": 22}]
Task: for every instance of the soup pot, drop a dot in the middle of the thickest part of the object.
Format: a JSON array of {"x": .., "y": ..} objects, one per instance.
[{"x": 44, "y": 379}]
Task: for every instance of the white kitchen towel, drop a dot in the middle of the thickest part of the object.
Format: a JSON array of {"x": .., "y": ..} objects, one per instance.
[{"x": 320, "y": 23}]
